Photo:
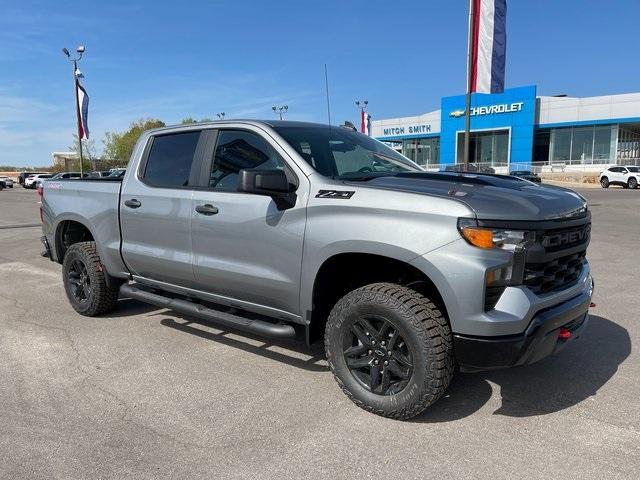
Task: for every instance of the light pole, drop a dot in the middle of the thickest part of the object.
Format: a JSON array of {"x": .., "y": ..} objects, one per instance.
[
  {"x": 221, "y": 115},
  {"x": 77, "y": 74},
  {"x": 362, "y": 105},
  {"x": 280, "y": 109}
]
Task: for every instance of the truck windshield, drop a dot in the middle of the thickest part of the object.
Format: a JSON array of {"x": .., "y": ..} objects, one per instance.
[{"x": 340, "y": 153}]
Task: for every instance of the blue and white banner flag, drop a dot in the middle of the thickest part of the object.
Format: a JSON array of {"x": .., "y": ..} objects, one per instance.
[{"x": 489, "y": 30}]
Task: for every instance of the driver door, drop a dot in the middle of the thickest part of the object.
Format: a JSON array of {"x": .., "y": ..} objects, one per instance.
[{"x": 247, "y": 250}]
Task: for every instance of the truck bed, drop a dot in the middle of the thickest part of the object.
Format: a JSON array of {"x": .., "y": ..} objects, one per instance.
[{"x": 94, "y": 203}]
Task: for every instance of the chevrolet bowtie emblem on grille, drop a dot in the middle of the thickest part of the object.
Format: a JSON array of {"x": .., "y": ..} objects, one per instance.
[{"x": 456, "y": 113}]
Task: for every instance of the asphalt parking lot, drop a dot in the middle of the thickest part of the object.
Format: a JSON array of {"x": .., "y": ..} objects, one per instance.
[{"x": 144, "y": 393}]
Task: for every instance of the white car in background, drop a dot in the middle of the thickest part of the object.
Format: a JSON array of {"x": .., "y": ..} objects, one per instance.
[
  {"x": 627, "y": 177},
  {"x": 7, "y": 182},
  {"x": 32, "y": 181}
]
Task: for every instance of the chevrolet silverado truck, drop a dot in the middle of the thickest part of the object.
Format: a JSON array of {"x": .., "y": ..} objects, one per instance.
[{"x": 283, "y": 228}]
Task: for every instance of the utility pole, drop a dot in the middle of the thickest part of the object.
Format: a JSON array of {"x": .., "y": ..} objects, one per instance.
[
  {"x": 77, "y": 74},
  {"x": 467, "y": 109},
  {"x": 280, "y": 110}
]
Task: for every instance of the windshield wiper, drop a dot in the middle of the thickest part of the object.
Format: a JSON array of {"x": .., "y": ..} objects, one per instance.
[{"x": 366, "y": 178}]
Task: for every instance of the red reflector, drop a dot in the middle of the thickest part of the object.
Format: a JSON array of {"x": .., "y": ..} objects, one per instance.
[{"x": 564, "y": 334}]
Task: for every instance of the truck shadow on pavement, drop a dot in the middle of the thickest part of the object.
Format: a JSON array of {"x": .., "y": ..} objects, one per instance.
[
  {"x": 293, "y": 352},
  {"x": 553, "y": 384}
]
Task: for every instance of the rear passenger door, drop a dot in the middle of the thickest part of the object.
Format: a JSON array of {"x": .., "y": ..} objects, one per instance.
[
  {"x": 156, "y": 206},
  {"x": 249, "y": 252}
]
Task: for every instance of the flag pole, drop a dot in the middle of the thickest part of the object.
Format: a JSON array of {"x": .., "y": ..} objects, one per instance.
[
  {"x": 78, "y": 118},
  {"x": 467, "y": 109}
]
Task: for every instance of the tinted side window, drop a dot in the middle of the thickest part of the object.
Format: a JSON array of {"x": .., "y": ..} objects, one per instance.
[
  {"x": 236, "y": 150},
  {"x": 170, "y": 159}
]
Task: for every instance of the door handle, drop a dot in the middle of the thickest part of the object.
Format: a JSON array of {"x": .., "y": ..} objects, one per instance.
[
  {"x": 207, "y": 209},
  {"x": 133, "y": 203}
]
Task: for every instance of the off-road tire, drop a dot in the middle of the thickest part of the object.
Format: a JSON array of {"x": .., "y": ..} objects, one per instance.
[
  {"x": 633, "y": 183},
  {"x": 427, "y": 335},
  {"x": 604, "y": 182},
  {"x": 102, "y": 298}
]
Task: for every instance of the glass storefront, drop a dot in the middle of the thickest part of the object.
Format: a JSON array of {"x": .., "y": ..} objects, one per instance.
[
  {"x": 423, "y": 151},
  {"x": 580, "y": 145},
  {"x": 489, "y": 148}
]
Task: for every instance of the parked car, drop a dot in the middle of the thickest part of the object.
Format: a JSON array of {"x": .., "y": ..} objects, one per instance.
[
  {"x": 7, "y": 182},
  {"x": 527, "y": 175},
  {"x": 31, "y": 180},
  {"x": 22, "y": 176},
  {"x": 100, "y": 174},
  {"x": 60, "y": 175},
  {"x": 627, "y": 177},
  {"x": 118, "y": 173},
  {"x": 261, "y": 226}
]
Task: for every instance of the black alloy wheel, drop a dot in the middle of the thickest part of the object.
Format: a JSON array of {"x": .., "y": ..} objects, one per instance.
[
  {"x": 79, "y": 281},
  {"x": 377, "y": 355}
]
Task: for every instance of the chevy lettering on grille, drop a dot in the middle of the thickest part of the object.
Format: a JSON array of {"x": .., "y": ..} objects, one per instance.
[{"x": 566, "y": 238}]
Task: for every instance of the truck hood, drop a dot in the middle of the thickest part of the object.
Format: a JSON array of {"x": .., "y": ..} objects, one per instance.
[{"x": 491, "y": 197}]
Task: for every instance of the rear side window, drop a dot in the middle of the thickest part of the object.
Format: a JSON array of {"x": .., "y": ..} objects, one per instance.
[
  {"x": 237, "y": 150},
  {"x": 170, "y": 159}
]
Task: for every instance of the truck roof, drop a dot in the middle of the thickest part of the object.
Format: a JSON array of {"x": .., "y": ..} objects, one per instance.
[{"x": 248, "y": 121}]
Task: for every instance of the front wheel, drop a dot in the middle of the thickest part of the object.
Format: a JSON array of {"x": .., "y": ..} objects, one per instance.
[
  {"x": 390, "y": 350},
  {"x": 633, "y": 183},
  {"x": 85, "y": 281},
  {"x": 604, "y": 182}
]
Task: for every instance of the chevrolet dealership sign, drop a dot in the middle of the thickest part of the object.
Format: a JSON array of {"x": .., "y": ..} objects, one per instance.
[{"x": 490, "y": 109}]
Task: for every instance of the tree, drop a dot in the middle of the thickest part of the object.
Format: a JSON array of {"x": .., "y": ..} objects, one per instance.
[
  {"x": 188, "y": 120},
  {"x": 88, "y": 154},
  {"x": 119, "y": 145}
]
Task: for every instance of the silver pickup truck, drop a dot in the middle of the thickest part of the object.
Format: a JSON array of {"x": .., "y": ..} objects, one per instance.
[{"x": 276, "y": 228}]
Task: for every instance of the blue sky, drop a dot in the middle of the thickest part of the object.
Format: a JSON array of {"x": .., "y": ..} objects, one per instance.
[{"x": 170, "y": 60}]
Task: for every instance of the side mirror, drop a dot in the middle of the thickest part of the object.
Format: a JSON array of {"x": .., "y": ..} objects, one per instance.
[{"x": 272, "y": 183}]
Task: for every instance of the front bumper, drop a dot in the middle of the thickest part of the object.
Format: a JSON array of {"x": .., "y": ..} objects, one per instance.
[{"x": 541, "y": 338}]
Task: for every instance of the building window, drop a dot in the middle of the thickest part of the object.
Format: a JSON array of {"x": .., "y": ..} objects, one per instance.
[
  {"x": 582, "y": 145},
  {"x": 489, "y": 148},
  {"x": 561, "y": 144},
  {"x": 602, "y": 144},
  {"x": 423, "y": 151}
]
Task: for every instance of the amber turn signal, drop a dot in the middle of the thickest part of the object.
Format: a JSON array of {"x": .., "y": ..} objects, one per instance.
[{"x": 480, "y": 237}]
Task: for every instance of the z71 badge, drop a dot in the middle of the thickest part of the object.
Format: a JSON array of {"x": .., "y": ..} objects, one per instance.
[{"x": 344, "y": 194}]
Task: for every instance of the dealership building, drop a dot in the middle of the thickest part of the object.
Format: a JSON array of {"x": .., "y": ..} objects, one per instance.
[{"x": 518, "y": 129}]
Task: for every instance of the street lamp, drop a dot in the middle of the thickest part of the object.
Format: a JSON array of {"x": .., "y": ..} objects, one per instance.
[
  {"x": 76, "y": 75},
  {"x": 362, "y": 105},
  {"x": 280, "y": 110},
  {"x": 220, "y": 115}
]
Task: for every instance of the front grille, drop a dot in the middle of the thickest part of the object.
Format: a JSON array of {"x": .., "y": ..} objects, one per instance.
[
  {"x": 554, "y": 275},
  {"x": 563, "y": 238}
]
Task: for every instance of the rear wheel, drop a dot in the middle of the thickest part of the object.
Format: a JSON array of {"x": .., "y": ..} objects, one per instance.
[
  {"x": 633, "y": 183},
  {"x": 390, "y": 350},
  {"x": 85, "y": 281},
  {"x": 604, "y": 182}
]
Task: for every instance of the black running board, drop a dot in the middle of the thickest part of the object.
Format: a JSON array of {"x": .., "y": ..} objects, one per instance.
[{"x": 258, "y": 327}]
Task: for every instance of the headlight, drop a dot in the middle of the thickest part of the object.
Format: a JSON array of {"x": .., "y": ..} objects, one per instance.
[{"x": 482, "y": 237}]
